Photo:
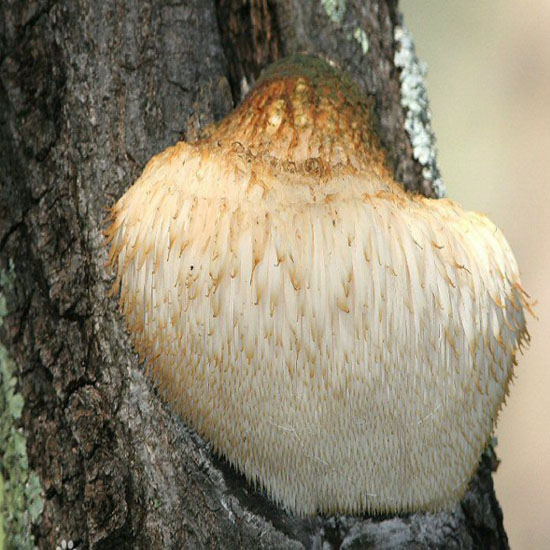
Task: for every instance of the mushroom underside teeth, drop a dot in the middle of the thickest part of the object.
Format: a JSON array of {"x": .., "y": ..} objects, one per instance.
[
  {"x": 347, "y": 357},
  {"x": 343, "y": 343}
]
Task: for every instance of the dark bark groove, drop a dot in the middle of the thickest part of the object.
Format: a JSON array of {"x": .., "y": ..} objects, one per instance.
[
  {"x": 89, "y": 91},
  {"x": 250, "y": 39}
]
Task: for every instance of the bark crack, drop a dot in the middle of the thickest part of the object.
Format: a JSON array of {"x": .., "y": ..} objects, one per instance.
[{"x": 250, "y": 39}]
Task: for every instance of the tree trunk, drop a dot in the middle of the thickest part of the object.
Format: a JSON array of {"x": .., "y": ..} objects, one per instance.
[{"x": 89, "y": 91}]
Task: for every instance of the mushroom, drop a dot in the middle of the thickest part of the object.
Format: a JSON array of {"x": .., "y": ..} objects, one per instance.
[{"x": 345, "y": 344}]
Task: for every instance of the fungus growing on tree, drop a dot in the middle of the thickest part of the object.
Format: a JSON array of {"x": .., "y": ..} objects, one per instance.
[{"x": 343, "y": 343}]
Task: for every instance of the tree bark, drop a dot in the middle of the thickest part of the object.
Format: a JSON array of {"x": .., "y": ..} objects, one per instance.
[{"x": 89, "y": 91}]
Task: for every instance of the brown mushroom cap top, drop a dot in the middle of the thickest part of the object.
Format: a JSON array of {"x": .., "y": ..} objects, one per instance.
[
  {"x": 346, "y": 345},
  {"x": 304, "y": 109}
]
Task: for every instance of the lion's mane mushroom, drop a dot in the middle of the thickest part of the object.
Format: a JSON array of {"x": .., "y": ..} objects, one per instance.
[{"x": 345, "y": 344}]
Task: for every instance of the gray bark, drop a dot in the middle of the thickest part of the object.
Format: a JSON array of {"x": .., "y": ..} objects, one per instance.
[{"x": 89, "y": 91}]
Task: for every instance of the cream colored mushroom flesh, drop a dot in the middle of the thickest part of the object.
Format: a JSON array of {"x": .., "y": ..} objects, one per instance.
[{"x": 343, "y": 343}]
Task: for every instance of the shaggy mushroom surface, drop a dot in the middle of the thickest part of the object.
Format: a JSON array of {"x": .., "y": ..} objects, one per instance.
[{"x": 343, "y": 343}]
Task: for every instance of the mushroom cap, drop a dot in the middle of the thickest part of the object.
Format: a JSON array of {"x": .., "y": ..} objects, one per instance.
[{"x": 344, "y": 344}]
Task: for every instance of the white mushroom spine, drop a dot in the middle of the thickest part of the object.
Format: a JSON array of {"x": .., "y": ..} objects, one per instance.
[{"x": 344, "y": 344}]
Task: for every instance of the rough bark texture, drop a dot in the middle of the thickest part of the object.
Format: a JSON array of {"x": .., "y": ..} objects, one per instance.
[{"x": 89, "y": 91}]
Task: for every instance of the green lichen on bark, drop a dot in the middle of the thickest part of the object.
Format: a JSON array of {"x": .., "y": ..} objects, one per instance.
[
  {"x": 362, "y": 39},
  {"x": 335, "y": 9},
  {"x": 22, "y": 500},
  {"x": 414, "y": 99}
]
